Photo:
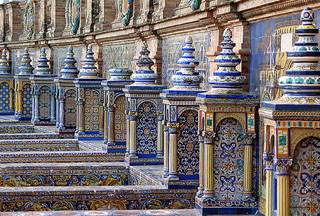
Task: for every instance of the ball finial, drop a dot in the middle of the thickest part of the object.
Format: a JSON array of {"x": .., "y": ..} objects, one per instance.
[{"x": 307, "y": 15}]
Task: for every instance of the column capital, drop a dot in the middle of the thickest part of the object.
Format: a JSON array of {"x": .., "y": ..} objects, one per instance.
[
  {"x": 282, "y": 165},
  {"x": 267, "y": 156},
  {"x": 249, "y": 138},
  {"x": 269, "y": 165},
  {"x": 209, "y": 136}
]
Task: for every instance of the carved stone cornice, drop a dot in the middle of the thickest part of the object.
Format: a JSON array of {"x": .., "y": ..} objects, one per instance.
[{"x": 255, "y": 12}]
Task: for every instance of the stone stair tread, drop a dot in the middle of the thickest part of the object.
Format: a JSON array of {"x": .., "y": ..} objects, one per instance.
[
  {"x": 164, "y": 212},
  {"x": 51, "y": 165},
  {"x": 79, "y": 189}
]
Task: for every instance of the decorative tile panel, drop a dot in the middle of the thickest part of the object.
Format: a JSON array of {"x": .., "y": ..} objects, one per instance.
[
  {"x": 120, "y": 121},
  {"x": 119, "y": 56},
  {"x": 188, "y": 145},
  {"x": 44, "y": 103},
  {"x": 147, "y": 130},
  {"x": 305, "y": 178},
  {"x": 91, "y": 110},
  {"x": 283, "y": 142},
  {"x": 172, "y": 51},
  {"x": 26, "y": 100},
  {"x": 4, "y": 97},
  {"x": 228, "y": 161},
  {"x": 70, "y": 108}
]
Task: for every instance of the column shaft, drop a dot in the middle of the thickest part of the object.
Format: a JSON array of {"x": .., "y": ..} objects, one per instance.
[
  {"x": 165, "y": 151},
  {"x": 52, "y": 108},
  {"x": 81, "y": 118},
  {"x": 160, "y": 138},
  {"x": 173, "y": 153},
  {"x": 105, "y": 128},
  {"x": 20, "y": 101},
  {"x": 11, "y": 99},
  {"x": 208, "y": 169},
  {"x": 247, "y": 183},
  {"x": 201, "y": 159},
  {"x": 128, "y": 135},
  {"x": 36, "y": 108},
  {"x": 111, "y": 126},
  {"x": 101, "y": 120},
  {"x": 61, "y": 121},
  {"x": 133, "y": 141},
  {"x": 283, "y": 195},
  {"x": 269, "y": 180}
]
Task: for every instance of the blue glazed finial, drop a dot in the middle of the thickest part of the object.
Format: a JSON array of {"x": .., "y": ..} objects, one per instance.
[
  {"x": 69, "y": 70},
  {"x": 25, "y": 66},
  {"x": 89, "y": 70},
  {"x": 43, "y": 67},
  {"x": 186, "y": 80},
  {"x": 144, "y": 75},
  {"x": 4, "y": 63},
  {"x": 227, "y": 80},
  {"x": 302, "y": 82}
]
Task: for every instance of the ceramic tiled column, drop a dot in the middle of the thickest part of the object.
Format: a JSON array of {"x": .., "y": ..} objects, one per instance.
[
  {"x": 23, "y": 105},
  {"x": 66, "y": 95},
  {"x": 183, "y": 151},
  {"x": 6, "y": 86},
  {"x": 89, "y": 100},
  {"x": 43, "y": 93},
  {"x": 115, "y": 119},
  {"x": 291, "y": 121},
  {"x": 145, "y": 112},
  {"x": 228, "y": 114}
]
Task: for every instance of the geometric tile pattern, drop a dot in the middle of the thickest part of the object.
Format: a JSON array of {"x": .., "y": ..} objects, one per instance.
[
  {"x": 187, "y": 144},
  {"x": 228, "y": 161},
  {"x": 70, "y": 113},
  {"x": 283, "y": 142},
  {"x": 120, "y": 119},
  {"x": 91, "y": 110},
  {"x": 147, "y": 130},
  {"x": 26, "y": 100},
  {"x": 305, "y": 178},
  {"x": 4, "y": 96},
  {"x": 44, "y": 103}
]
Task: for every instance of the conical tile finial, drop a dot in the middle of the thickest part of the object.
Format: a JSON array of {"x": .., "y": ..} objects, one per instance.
[
  {"x": 144, "y": 75},
  {"x": 43, "y": 67},
  {"x": 25, "y": 66},
  {"x": 302, "y": 82},
  {"x": 4, "y": 63},
  {"x": 89, "y": 70},
  {"x": 227, "y": 80},
  {"x": 69, "y": 70},
  {"x": 187, "y": 78}
]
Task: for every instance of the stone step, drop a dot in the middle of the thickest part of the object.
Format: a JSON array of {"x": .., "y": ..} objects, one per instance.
[
  {"x": 159, "y": 212},
  {"x": 58, "y": 198},
  {"x": 63, "y": 174},
  {"x": 25, "y": 145},
  {"x": 58, "y": 157}
]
